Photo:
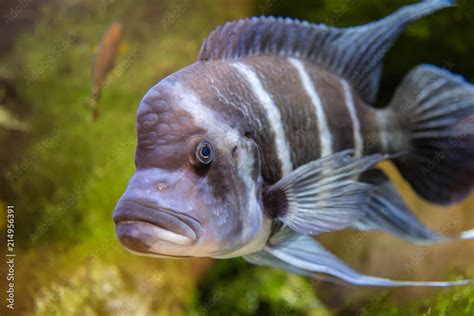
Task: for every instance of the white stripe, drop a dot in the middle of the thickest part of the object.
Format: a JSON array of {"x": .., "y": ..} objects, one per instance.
[
  {"x": 382, "y": 119},
  {"x": 190, "y": 102},
  {"x": 273, "y": 114},
  {"x": 349, "y": 100},
  {"x": 324, "y": 133}
]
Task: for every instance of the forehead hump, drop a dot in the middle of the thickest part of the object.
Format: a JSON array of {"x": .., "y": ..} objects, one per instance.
[
  {"x": 197, "y": 91},
  {"x": 161, "y": 120}
]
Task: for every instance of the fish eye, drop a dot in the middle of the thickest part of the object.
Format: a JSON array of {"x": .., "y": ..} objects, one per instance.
[{"x": 203, "y": 153}]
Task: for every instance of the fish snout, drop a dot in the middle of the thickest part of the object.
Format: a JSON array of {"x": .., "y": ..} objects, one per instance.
[{"x": 146, "y": 229}]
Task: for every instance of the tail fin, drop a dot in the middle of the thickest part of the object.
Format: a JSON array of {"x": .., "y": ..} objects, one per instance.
[{"x": 436, "y": 107}]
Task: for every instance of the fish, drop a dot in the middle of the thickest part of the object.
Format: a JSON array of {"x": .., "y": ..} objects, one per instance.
[
  {"x": 271, "y": 138},
  {"x": 105, "y": 56},
  {"x": 9, "y": 121},
  {"x": 12, "y": 108}
]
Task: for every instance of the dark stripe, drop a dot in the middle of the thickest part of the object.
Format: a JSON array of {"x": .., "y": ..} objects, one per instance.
[
  {"x": 281, "y": 80},
  {"x": 331, "y": 93}
]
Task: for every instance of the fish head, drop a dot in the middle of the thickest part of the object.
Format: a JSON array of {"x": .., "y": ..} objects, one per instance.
[{"x": 197, "y": 187}]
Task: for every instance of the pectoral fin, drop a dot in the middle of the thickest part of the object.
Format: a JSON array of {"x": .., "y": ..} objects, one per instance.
[
  {"x": 303, "y": 255},
  {"x": 322, "y": 195}
]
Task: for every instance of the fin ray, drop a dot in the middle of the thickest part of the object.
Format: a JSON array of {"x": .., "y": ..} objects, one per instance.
[
  {"x": 389, "y": 213},
  {"x": 320, "y": 196},
  {"x": 436, "y": 108},
  {"x": 304, "y": 255},
  {"x": 355, "y": 53}
]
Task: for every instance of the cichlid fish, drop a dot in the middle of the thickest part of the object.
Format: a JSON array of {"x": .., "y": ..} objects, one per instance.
[
  {"x": 104, "y": 60},
  {"x": 270, "y": 139}
]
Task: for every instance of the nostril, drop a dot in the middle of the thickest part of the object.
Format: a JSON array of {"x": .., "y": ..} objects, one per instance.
[{"x": 160, "y": 186}]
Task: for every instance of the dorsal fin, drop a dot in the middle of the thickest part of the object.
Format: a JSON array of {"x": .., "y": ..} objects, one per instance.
[{"x": 356, "y": 53}]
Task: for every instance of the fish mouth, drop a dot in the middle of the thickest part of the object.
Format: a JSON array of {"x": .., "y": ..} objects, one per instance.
[{"x": 141, "y": 227}]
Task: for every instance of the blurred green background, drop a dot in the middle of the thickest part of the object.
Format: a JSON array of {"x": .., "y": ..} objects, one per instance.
[{"x": 65, "y": 172}]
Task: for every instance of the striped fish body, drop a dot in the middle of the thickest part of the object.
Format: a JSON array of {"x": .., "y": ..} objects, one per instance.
[
  {"x": 296, "y": 111},
  {"x": 270, "y": 138}
]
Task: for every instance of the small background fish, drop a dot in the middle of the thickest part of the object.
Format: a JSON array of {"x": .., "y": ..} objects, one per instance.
[
  {"x": 105, "y": 56},
  {"x": 14, "y": 125}
]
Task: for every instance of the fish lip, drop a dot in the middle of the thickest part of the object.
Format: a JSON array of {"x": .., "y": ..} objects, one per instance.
[
  {"x": 130, "y": 211},
  {"x": 128, "y": 231},
  {"x": 156, "y": 254}
]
